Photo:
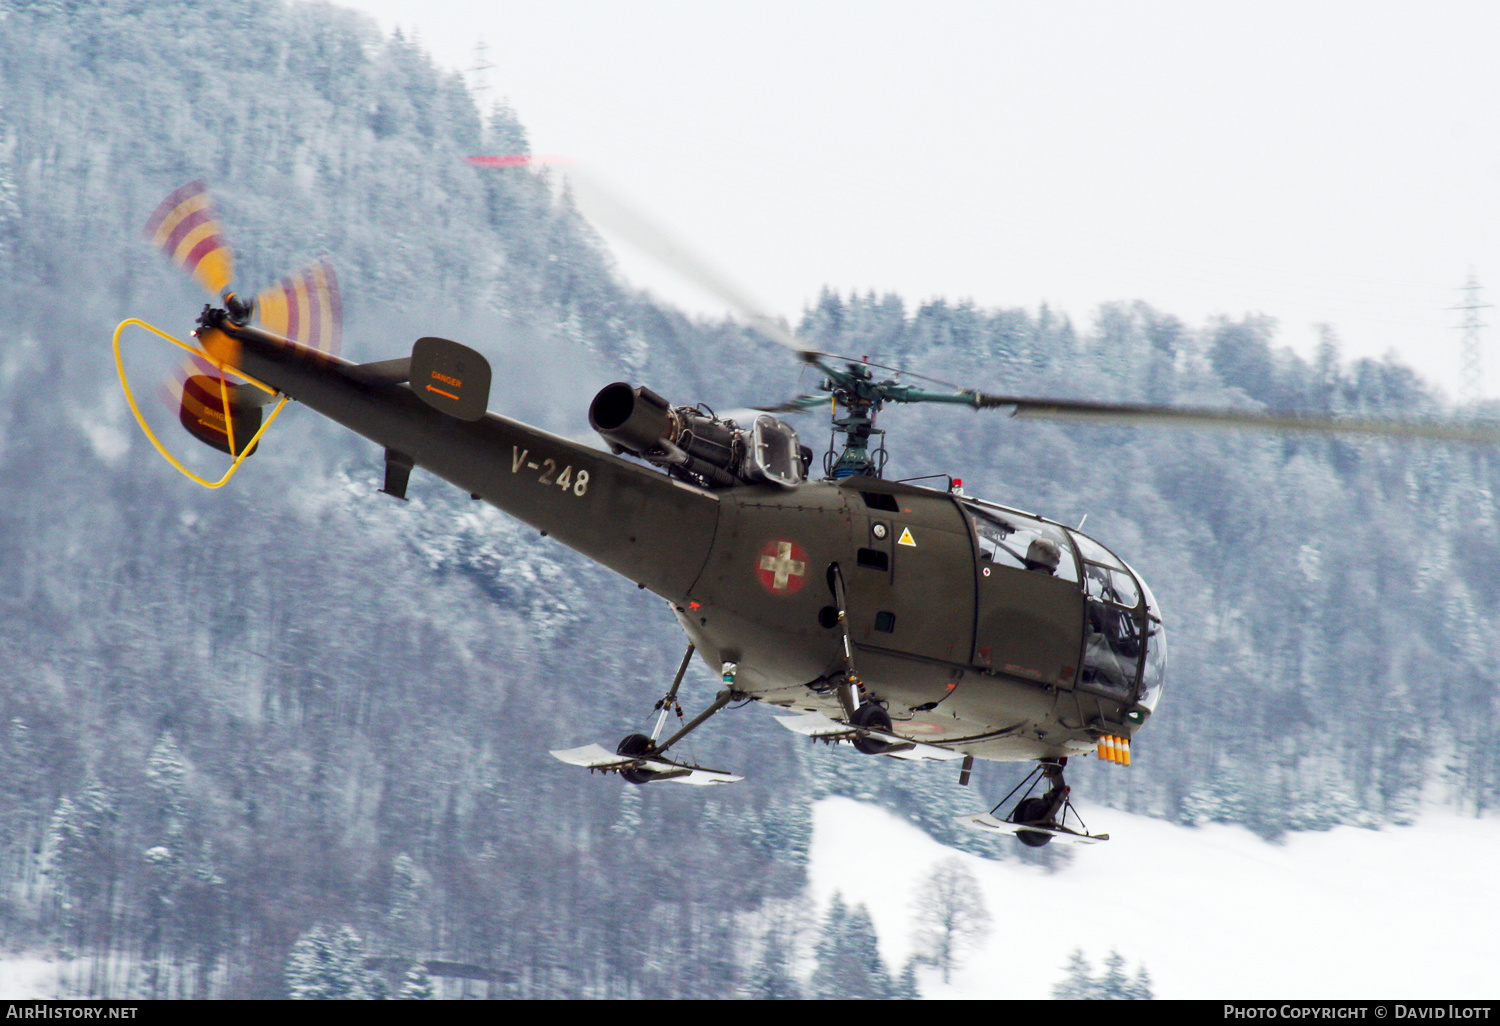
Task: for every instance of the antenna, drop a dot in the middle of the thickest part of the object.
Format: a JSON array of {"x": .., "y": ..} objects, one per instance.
[{"x": 1471, "y": 367}]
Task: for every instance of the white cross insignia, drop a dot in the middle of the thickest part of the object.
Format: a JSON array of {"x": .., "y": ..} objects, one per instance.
[{"x": 782, "y": 568}]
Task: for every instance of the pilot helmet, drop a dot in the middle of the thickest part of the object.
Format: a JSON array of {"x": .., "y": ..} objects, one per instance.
[{"x": 1043, "y": 554}]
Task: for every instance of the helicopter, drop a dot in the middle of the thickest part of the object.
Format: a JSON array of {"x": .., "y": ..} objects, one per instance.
[{"x": 907, "y": 620}]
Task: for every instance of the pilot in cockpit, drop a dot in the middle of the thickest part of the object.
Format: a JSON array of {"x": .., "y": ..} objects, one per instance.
[{"x": 1043, "y": 555}]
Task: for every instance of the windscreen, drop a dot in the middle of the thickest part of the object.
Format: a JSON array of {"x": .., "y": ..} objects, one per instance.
[
  {"x": 1154, "y": 672},
  {"x": 1124, "y": 644}
]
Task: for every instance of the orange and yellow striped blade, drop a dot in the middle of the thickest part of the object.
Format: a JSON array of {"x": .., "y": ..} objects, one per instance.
[
  {"x": 186, "y": 228},
  {"x": 202, "y": 400},
  {"x": 171, "y": 390},
  {"x": 305, "y": 308}
]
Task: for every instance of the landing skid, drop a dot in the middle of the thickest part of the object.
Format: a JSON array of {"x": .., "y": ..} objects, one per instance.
[
  {"x": 641, "y": 759},
  {"x": 1038, "y": 821},
  {"x": 816, "y": 725},
  {"x": 988, "y": 823},
  {"x": 598, "y": 758}
]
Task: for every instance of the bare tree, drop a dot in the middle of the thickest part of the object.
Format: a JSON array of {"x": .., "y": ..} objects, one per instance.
[{"x": 950, "y": 915}]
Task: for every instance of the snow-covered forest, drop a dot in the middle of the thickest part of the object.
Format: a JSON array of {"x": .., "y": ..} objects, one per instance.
[{"x": 296, "y": 723}]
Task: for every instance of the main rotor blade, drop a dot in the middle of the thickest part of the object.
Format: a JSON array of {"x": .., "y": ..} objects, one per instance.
[
  {"x": 1179, "y": 416},
  {"x": 610, "y": 212},
  {"x": 801, "y": 404},
  {"x": 607, "y": 210}
]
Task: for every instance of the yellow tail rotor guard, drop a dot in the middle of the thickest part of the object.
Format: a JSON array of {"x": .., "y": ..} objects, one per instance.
[{"x": 223, "y": 394}]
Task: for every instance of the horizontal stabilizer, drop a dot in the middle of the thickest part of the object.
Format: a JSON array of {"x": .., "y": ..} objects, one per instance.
[
  {"x": 450, "y": 377},
  {"x": 819, "y": 726},
  {"x": 915, "y": 751},
  {"x": 391, "y": 372},
  {"x": 987, "y": 823},
  {"x": 597, "y": 757}
]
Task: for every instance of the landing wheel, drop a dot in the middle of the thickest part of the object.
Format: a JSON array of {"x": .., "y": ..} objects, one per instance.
[
  {"x": 1032, "y": 810},
  {"x": 872, "y": 717},
  {"x": 636, "y": 744}
]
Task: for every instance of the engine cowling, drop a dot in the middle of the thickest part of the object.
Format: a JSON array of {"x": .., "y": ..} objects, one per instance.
[{"x": 696, "y": 446}]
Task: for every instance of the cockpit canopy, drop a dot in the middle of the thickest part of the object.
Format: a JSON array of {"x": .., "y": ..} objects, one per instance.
[
  {"x": 1016, "y": 540},
  {"x": 1124, "y": 642},
  {"x": 1124, "y": 652}
]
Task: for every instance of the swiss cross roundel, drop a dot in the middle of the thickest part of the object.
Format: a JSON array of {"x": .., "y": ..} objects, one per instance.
[{"x": 782, "y": 567}]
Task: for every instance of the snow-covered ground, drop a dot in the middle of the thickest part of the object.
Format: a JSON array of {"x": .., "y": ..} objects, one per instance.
[
  {"x": 26, "y": 978},
  {"x": 1212, "y": 912}
]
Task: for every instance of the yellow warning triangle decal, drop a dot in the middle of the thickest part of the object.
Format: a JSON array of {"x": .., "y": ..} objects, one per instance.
[{"x": 906, "y": 538}]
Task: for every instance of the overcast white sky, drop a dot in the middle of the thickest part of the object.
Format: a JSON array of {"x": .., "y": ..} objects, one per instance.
[{"x": 1317, "y": 162}]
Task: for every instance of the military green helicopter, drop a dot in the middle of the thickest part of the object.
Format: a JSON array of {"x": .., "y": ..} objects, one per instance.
[{"x": 911, "y": 621}]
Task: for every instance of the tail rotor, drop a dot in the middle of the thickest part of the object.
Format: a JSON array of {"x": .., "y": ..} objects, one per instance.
[{"x": 305, "y": 308}]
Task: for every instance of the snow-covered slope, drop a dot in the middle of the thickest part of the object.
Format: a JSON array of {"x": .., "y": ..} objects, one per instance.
[
  {"x": 27, "y": 977},
  {"x": 1212, "y": 912}
]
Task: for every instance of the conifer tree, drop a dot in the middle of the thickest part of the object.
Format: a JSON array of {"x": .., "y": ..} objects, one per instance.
[
  {"x": 1077, "y": 983},
  {"x": 10, "y": 213},
  {"x": 771, "y": 977},
  {"x": 905, "y": 987},
  {"x": 405, "y": 905},
  {"x": 166, "y": 773},
  {"x": 329, "y": 965},
  {"x": 1113, "y": 984},
  {"x": 79, "y": 857},
  {"x": 849, "y": 962},
  {"x": 416, "y": 985}
]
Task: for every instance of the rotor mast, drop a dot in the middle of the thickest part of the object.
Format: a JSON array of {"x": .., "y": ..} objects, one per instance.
[{"x": 857, "y": 398}]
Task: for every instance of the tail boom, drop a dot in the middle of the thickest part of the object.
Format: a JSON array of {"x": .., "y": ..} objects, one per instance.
[{"x": 638, "y": 522}]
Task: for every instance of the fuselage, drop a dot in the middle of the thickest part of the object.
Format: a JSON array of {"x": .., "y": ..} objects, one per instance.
[
  {"x": 966, "y": 642},
  {"x": 980, "y": 628}
]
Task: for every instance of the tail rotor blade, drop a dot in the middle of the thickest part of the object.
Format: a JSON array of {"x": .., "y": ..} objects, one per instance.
[
  {"x": 203, "y": 413},
  {"x": 306, "y": 308},
  {"x": 172, "y": 386},
  {"x": 186, "y": 228}
]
